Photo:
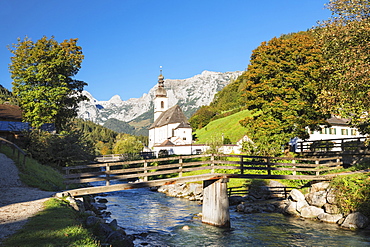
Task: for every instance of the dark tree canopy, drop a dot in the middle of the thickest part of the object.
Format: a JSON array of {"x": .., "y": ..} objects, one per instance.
[{"x": 42, "y": 74}]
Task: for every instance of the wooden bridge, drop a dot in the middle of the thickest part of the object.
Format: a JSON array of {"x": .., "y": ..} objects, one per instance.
[
  {"x": 214, "y": 170},
  {"x": 161, "y": 171}
]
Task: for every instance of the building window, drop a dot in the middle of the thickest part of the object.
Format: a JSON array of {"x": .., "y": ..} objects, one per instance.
[
  {"x": 344, "y": 132},
  {"x": 162, "y": 104},
  {"x": 353, "y": 132},
  {"x": 332, "y": 131},
  {"x": 184, "y": 138}
]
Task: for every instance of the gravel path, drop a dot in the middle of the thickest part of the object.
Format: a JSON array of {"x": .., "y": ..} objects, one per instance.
[{"x": 17, "y": 201}]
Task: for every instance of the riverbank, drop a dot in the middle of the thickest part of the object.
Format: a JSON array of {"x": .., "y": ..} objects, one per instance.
[{"x": 319, "y": 204}]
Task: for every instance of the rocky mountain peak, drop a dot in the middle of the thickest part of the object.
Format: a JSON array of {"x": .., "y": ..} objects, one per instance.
[{"x": 189, "y": 94}]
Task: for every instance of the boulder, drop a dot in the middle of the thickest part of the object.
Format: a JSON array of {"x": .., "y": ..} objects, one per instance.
[
  {"x": 330, "y": 197},
  {"x": 116, "y": 238},
  {"x": 291, "y": 208},
  {"x": 311, "y": 212},
  {"x": 301, "y": 204},
  {"x": 331, "y": 208},
  {"x": 319, "y": 186},
  {"x": 356, "y": 221},
  {"x": 316, "y": 198},
  {"x": 93, "y": 220},
  {"x": 296, "y": 195},
  {"x": 330, "y": 218},
  {"x": 276, "y": 189}
]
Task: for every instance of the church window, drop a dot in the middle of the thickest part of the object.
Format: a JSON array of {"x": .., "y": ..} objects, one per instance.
[
  {"x": 184, "y": 138},
  {"x": 162, "y": 104}
]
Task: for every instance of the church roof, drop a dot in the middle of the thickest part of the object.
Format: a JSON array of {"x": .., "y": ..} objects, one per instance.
[
  {"x": 172, "y": 115},
  {"x": 166, "y": 143}
]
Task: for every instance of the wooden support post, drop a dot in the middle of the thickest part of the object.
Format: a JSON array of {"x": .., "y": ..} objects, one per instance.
[
  {"x": 294, "y": 167},
  {"x": 107, "y": 169},
  {"x": 215, "y": 209},
  {"x": 180, "y": 168},
  {"x": 145, "y": 171},
  {"x": 268, "y": 167}
]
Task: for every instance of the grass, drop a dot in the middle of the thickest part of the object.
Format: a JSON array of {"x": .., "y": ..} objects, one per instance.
[
  {"x": 57, "y": 225},
  {"x": 36, "y": 175},
  {"x": 229, "y": 127}
]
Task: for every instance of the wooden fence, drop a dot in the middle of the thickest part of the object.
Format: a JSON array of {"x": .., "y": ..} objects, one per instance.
[
  {"x": 351, "y": 145},
  {"x": 233, "y": 166},
  {"x": 17, "y": 151}
]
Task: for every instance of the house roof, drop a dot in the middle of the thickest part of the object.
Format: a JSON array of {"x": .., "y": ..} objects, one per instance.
[
  {"x": 172, "y": 115},
  {"x": 166, "y": 143},
  {"x": 10, "y": 113},
  {"x": 338, "y": 121}
]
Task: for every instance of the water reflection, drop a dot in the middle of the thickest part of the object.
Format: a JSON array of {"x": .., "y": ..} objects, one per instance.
[{"x": 163, "y": 218}]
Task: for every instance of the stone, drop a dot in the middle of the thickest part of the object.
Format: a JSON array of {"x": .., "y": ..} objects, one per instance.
[
  {"x": 356, "y": 221},
  {"x": 316, "y": 198},
  {"x": 322, "y": 186},
  {"x": 330, "y": 218},
  {"x": 118, "y": 239},
  {"x": 276, "y": 189},
  {"x": 291, "y": 208},
  {"x": 113, "y": 224},
  {"x": 93, "y": 220},
  {"x": 331, "y": 197},
  {"x": 240, "y": 208},
  {"x": 311, "y": 212},
  {"x": 301, "y": 204},
  {"x": 331, "y": 208},
  {"x": 296, "y": 195},
  {"x": 99, "y": 206},
  {"x": 102, "y": 200}
]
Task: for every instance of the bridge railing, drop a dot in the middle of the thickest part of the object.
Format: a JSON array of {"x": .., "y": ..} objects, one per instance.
[{"x": 240, "y": 166}]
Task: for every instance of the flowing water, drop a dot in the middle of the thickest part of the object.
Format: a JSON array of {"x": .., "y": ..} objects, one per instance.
[{"x": 158, "y": 220}]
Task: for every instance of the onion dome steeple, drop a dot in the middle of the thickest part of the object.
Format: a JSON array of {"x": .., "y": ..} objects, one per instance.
[{"x": 161, "y": 92}]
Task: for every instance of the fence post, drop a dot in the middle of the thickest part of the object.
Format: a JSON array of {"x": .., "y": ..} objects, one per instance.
[
  {"x": 180, "y": 167},
  {"x": 268, "y": 166},
  {"x": 213, "y": 163},
  {"x": 145, "y": 171},
  {"x": 242, "y": 165},
  {"x": 317, "y": 162},
  {"x": 294, "y": 167},
  {"x": 107, "y": 169}
]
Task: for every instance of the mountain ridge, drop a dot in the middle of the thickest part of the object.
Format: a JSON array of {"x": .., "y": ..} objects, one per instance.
[{"x": 189, "y": 94}]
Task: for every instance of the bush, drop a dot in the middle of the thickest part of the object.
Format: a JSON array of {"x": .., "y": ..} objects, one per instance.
[
  {"x": 68, "y": 148},
  {"x": 353, "y": 193}
]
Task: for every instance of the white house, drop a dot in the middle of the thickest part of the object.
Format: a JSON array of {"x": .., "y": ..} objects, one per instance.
[{"x": 339, "y": 129}]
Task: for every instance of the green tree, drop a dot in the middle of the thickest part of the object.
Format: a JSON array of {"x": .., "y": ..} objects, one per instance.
[
  {"x": 345, "y": 39},
  {"x": 282, "y": 82},
  {"x": 42, "y": 74},
  {"x": 127, "y": 145}
]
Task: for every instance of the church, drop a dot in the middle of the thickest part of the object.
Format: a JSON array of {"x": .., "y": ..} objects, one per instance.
[{"x": 171, "y": 130}]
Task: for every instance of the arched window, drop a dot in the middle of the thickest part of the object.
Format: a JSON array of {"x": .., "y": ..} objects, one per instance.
[{"x": 162, "y": 104}]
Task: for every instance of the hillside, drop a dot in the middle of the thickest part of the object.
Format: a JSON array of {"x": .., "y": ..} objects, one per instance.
[{"x": 228, "y": 126}]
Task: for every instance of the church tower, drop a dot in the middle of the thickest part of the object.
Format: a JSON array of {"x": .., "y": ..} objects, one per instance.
[{"x": 160, "y": 100}]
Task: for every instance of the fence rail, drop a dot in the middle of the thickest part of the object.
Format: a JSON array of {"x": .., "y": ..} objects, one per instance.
[
  {"x": 351, "y": 145},
  {"x": 234, "y": 166},
  {"x": 15, "y": 148}
]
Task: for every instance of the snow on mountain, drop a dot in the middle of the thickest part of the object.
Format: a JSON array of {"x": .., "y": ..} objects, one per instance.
[{"x": 189, "y": 94}]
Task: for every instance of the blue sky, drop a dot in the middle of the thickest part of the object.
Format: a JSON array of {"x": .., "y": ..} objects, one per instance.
[{"x": 125, "y": 41}]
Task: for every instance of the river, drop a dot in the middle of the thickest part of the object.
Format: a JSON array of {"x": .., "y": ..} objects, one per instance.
[{"x": 158, "y": 220}]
